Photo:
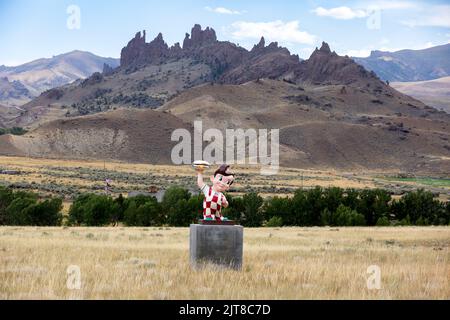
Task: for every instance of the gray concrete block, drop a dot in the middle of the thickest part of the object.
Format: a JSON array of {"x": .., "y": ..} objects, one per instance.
[{"x": 218, "y": 244}]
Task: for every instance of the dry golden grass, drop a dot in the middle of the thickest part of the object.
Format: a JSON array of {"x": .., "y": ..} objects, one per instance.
[
  {"x": 64, "y": 173},
  {"x": 279, "y": 263}
]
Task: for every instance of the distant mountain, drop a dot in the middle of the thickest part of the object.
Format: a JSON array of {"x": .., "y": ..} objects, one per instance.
[
  {"x": 13, "y": 92},
  {"x": 435, "y": 93},
  {"x": 47, "y": 73},
  {"x": 409, "y": 65}
]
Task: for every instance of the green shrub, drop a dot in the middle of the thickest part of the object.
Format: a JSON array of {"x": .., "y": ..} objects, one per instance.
[
  {"x": 317, "y": 206},
  {"x": 327, "y": 217},
  {"x": 332, "y": 198},
  {"x": 275, "y": 222},
  {"x": 15, "y": 212},
  {"x": 23, "y": 208},
  {"x": 15, "y": 131},
  {"x": 421, "y": 208},
  {"x": 121, "y": 207},
  {"x": 195, "y": 207},
  {"x": 422, "y": 221},
  {"x": 173, "y": 195},
  {"x": 130, "y": 214},
  {"x": 252, "y": 215},
  {"x": 235, "y": 208},
  {"x": 138, "y": 213},
  {"x": 345, "y": 216},
  {"x": 299, "y": 208},
  {"x": 351, "y": 198},
  {"x": 405, "y": 221},
  {"x": 373, "y": 204},
  {"x": 77, "y": 209},
  {"x": 313, "y": 206},
  {"x": 179, "y": 214},
  {"x": 99, "y": 211},
  {"x": 6, "y": 197},
  {"x": 279, "y": 207},
  {"x": 46, "y": 213},
  {"x": 180, "y": 208},
  {"x": 93, "y": 210},
  {"x": 358, "y": 219},
  {"x": 383, "y": 221}
]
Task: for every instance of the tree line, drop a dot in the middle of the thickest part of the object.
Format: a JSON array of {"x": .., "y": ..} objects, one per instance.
[
  {"x": 18, "y": 131},
  {"x": 331, "y": 206}
]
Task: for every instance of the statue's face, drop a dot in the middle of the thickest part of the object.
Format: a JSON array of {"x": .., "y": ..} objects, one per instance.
[{"x": 221, "y": 183}]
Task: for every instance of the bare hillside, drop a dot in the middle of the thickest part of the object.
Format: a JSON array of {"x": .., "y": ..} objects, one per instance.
[
  {"x": 129, "y": 135},
  {"x": 435, "y": 93},
  {"x": 327, "y": 126}
]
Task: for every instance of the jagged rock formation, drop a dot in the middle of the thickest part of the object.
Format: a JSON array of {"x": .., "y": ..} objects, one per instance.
[
  {"x": 327, "y": 67},
  {"x": 231, "y": 64},
  {"x": 263, "y": 61},
  {"x": 199, "y": 37},
  {"x": 107, "y": 69}
]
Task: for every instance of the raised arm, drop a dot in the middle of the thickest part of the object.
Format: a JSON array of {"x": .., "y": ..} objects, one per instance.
[
  {"x": 200, "y": 182},
  {"x": 225, "y": 202}
]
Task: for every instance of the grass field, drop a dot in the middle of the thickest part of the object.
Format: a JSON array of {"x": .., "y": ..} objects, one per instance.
[
  {"x": 445, "y": 183},
  {"x": 279, "y": 263}
]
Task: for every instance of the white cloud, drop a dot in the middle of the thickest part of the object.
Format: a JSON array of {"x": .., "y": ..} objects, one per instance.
[
  {"x": 223, "y": 10},
  {"x": 435, "y": 16},
  {"x": 272, "y": 31},
  {"x": 363, "y": 10},
  {"x": 342, "y": 13},
  {"x": 360, "y": 53},
  {"x": 389, "y": 5}
]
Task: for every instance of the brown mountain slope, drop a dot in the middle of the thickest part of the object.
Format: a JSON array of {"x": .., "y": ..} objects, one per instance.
[
  {"x": 325, "y": 127},
  {"x": 331, "y": 112},
  {"x": 320, "y": 127},
  {"x": 147, "y": 87},
  {"x": 129, "y": 135}
]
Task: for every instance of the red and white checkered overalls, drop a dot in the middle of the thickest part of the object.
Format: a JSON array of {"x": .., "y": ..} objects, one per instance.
[{"x": 212, "y": 204}]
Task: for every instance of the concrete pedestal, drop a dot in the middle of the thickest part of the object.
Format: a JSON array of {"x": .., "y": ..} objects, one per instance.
[{"x": 219, "y": 244}]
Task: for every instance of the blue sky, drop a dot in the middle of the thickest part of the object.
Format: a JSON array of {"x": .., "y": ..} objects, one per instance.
[{"x": 31, "y": 29}]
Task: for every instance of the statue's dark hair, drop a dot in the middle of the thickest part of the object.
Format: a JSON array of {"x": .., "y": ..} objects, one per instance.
[{"x": 223, "y": 170}]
